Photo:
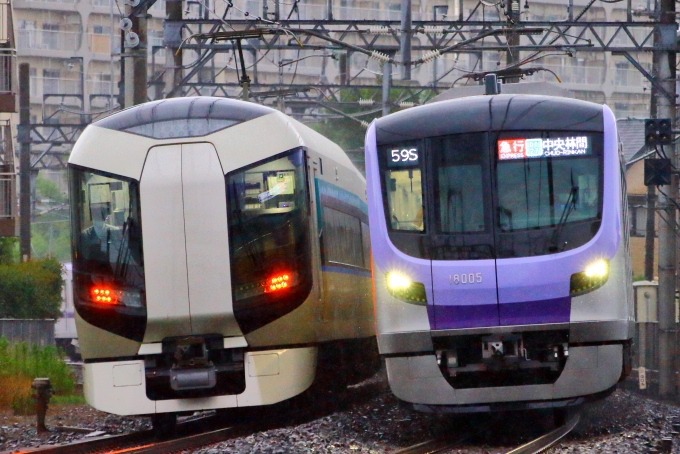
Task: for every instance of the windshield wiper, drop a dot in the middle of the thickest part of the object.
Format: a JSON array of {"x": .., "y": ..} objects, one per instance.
[{"x": 569, "y": 206}]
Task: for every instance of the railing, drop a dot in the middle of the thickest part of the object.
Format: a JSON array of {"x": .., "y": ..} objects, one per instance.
[
  {"x": 625, "y": 77},
  {"x": 54, "y": 85},
  {"x": 319, "y": 11},
  {"x": 49, "y": 39},
  {"x": 585, "y": 75},
  {"x": 7, "y": 173},
  {"x": 100, "y": 87},
  {"x": 7, "y": 62},
  {"x": 5, "y": 31},
  {"x": 158, "y": 7},
  {"x": 66, "y": 2}
]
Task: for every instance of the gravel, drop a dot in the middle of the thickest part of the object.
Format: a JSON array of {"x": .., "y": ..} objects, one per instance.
[{"x": 367, "y": 418}]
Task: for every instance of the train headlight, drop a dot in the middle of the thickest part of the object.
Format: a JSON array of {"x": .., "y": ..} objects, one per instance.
[
  {"x": 594, "y": 277},
  {"x": 403, "y": 288}
]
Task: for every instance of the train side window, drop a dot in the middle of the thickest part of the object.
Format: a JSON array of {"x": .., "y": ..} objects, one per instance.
[
  {"x": 402, "y": 185},
  {"x": 344, "y": 240},
  {"x": 405, "y": 199}
]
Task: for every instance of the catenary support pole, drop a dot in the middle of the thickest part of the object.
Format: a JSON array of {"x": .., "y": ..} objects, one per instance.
[
  {"x": 665, "y": 38},
  {"x": 24, "y": 162},
  {"x": 386, "y": 82},
  {"x": 405, "y": 45}
]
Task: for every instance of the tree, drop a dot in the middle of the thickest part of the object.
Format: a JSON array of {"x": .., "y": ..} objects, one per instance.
[
  {"x": 31, "y": 289},
  {"x": 9, "y": 252},
  {"x": 48, "y": 189}
]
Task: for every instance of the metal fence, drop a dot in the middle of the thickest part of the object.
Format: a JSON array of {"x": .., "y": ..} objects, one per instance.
[{"x": 31, "y": 331}]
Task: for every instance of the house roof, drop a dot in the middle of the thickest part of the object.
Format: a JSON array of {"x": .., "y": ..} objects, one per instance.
[{"x": 632, "y": 136}]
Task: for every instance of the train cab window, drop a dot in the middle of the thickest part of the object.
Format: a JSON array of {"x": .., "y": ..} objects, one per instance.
[
  {"x": 404, "y": 187},
  {"x": 462, "y": 175},
  {"x": 108, "y": 268},
  {"x": 269, "y": 241}
]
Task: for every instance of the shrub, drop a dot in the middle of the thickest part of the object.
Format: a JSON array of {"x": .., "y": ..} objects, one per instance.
[{"x": 30, "y": 289}]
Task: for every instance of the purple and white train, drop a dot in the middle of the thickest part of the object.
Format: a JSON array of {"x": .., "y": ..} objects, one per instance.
[{"x": 500, "y": 253}]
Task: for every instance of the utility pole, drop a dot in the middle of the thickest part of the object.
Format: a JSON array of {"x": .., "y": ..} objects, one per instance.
[
  {"x": 512, "y": 56},
  {"x": 135, "y": 58},
  {"x": 665, "y": 38},
  {"x": 25, "y": 162},
  {"x": 650, "y": 227},
  {"x": 406, "y": 39},
  {"x": 386, "y": 82},
  {"x": 173, "y": 55}
]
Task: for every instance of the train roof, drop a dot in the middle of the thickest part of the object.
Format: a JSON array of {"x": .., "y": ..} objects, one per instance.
[
  {"x": 183, "y": 117},
  {"x": 490, "y": 113}
]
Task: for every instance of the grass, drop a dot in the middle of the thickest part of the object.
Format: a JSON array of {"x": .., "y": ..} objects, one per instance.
[
  {"x": 71, "y": 399},
  {"x": 20, "y": 363}
]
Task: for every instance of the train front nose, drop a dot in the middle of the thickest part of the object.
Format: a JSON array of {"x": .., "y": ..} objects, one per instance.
[{"x": 185, "y": 241}]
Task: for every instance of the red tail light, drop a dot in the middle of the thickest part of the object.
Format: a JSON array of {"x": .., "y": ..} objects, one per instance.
[
  {"x": 277, "y": 282},
  {"x": 103, "y": 295}
]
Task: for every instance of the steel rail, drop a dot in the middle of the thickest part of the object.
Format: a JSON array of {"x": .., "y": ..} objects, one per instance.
[
  {"x": 536, "y": 446},
  {"x": 431, "y": 446},
  {"x": 545, "y": 441}
]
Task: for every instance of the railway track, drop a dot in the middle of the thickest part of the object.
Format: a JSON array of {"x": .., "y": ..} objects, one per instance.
[{"x": 443, "y": 444}]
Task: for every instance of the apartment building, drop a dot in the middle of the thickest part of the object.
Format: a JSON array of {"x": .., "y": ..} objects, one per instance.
[
  {"x": 8, "y": 118},
  {"x": 73, "y": 47}
]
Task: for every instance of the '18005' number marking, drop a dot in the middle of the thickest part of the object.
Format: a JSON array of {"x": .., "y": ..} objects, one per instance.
[{"x": 468, "y": 278}]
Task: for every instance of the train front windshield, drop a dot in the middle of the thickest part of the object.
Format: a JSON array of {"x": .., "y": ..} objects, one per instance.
[
  {"x": 493, "y": 195},
  {"x": 108, "y": 265},
  {"x": 268, "y": 233}
]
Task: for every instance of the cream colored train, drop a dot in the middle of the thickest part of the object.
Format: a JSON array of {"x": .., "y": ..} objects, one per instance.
[{"x": 221, "y": 258}]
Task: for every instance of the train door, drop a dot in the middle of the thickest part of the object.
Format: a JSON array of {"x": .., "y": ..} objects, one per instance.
[
  {"x": 186, "y": 248},
  {"x": 464, "y": 280}
]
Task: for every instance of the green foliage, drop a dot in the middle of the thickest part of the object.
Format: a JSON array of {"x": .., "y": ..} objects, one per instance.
[
  {"x": 48, "y": 189},
  {"x": 51, "y": 237},
  {"x": 31, "y": 361},
  {"x": 9, "y": 250},
  {"x": 69, "y": 399},
  {"x": 30, "y": 289},
  {"x": 348, "y": 134},
  {"x": 20, "y": 364}
]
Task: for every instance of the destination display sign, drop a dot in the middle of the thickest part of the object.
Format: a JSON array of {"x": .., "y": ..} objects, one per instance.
[
  {"x": 522, "y": 148},
  {"x": 402, "y": 157}
]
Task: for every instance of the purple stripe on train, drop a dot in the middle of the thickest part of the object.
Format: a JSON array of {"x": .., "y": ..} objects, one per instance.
[{"x": 555, "y": 310}]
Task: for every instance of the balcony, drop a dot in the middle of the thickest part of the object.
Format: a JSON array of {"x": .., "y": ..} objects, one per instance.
[
  {"x": 7, "y": 60},
  {"x": 319, "y": 11},
  {"x": 49, "y": 40},
  {"x": 8, "y": 196}
]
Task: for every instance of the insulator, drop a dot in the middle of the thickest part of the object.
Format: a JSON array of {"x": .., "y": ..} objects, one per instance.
[
  {"x": 364, "y": 124},
  {"x": 434, "y": 30},
  {"x": 431, "y": 55},
  {"x": 366, "y": 102},
  {"x": 126, "y": 24},
  {"x": 380, "y": 56},
  {"x": 131, "y": 39},
  {"x": 379, "y": 30},
  {"x": 406, "y": 104}
]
